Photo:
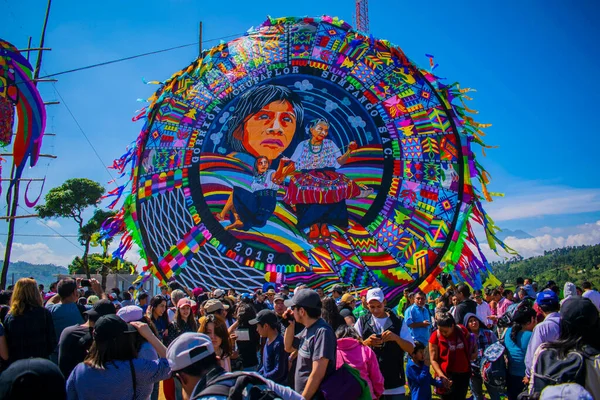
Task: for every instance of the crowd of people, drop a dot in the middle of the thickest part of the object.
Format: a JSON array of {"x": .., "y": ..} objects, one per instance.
[{"x": 87, "y": 343}]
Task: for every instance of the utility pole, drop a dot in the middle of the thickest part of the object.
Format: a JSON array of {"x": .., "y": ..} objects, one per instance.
[
  {"x": 200, "y": 40},
  {"x": 13, "y": 196}
]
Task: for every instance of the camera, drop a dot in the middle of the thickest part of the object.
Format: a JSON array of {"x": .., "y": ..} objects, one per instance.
[{"x": 86, "y": 283}]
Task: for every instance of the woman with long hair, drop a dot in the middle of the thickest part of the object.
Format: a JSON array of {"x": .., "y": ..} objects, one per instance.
[
  {"x": 351, "y": 351},
  {"x": 217, "y": 331},
  {"x": 144, "y": 349},
  {"x": 157, "y": 313},
  {"x": 516, "y": 339},
  {"x": 451, "y": 350},
  {"x": 113, "y": 363},
  {"x": 183, "y": 321},
  {"x": 579, "y": 333},
  {"x": 29, "y": 326},
  {"x": 330, "y": 313}
]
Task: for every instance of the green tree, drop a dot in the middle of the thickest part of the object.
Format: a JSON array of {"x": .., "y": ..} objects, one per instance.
[
  {"x": 70, "y": 200},
  {"x": 89, "y": 230},
  {"x": 97, "y": 262}
]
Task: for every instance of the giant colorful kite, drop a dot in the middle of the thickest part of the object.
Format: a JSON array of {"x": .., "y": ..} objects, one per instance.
[
  {"x": 306, "y": 152},
  {"x": 18, "y": 90}
]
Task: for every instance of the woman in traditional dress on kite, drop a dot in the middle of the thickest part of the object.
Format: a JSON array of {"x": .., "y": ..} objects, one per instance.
[
  {"x": 319, "y": 193},
  {"x": 253, "y": 208}
]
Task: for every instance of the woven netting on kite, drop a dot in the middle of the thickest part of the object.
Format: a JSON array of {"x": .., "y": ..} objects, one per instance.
[{"x": 306, "y": 152}]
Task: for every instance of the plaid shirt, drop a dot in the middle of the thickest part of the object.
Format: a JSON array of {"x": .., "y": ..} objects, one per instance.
[{"x": 484, "y": 339}]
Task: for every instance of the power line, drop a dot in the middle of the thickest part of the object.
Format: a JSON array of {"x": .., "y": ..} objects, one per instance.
[
  {"x": 84, "y": 134},
  {"x": 136, "y": 56},
  {"x": 32, "y": 235},
  {"x": 52, "y": 229}
]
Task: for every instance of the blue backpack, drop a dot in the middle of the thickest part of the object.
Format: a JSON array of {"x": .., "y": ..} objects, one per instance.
[{"x": 493, "y": 367}]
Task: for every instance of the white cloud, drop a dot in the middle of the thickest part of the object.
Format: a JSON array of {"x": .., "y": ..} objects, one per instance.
[
  {"x": 536, "y": 200},
  {"x": 587, "y": 234},
  {"x": 49, "y": 223},
  {"x": 38, "y": 253},
  {"x": 550, "y": 230}
]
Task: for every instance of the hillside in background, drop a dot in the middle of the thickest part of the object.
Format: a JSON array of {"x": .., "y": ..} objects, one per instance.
[
  {"x": 569, "y": 264},
  {"x": 43, "y": 273}
]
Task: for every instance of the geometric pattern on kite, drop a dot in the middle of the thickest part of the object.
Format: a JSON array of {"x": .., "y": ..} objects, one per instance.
[{"x": 306, "y": 152}]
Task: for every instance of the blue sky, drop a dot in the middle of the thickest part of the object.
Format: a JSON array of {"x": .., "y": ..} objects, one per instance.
[{"x": 532, "y": 63}]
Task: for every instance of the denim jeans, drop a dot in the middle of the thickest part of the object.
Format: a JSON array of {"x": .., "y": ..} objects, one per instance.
[{"x": 477, "y": 389}]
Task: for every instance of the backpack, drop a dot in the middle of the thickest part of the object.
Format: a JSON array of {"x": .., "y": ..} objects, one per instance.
[
  {"x": 345, "y": 383},
  {"x": 506, "y": 320},
  {"x": 246, "y": 386},
  {"x": 493, "y": 367},
  {"x": 552, "y": 369}
]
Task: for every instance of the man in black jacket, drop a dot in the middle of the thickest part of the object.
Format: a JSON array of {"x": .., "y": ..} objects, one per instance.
[
  {"x": 465, "y": 304},
  {"x": 390, "y": 338}
]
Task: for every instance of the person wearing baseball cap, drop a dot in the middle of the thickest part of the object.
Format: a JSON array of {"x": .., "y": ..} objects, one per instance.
[
  {"x": 363, "y": 308},
  {"x": 32, "y": 378},
  {"x": 274, "y": 364},
  {"x": 270, "y": 298},
  {"x": 337, "y": 291},
  {"x": 112, "y": 362},
  {"x": 548, "y": 330},
  {"x": 317, "y": 342},
  {"x": 579, "y": 333},
  {"x": 389, "y": 337},
  {"x": 284, "y": 290},
  {"x": 76, "y": 340},
  {"x": 259, "y": 301},
  {"x": 216, "y": 307},
  {"x": 347, "y": 302},
  {"x": 194, "y": 363}
]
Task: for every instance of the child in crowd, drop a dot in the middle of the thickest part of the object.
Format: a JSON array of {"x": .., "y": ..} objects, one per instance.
[
  {"x": 419, "y": 377},
  {"x": 274, "y": 359}
]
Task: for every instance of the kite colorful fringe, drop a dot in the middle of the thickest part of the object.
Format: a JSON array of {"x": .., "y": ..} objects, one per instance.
[
  {"x": 17, "y": 89},
  {"x": 223, "y": 139}
]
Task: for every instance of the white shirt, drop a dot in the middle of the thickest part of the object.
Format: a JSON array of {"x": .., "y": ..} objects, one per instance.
[
  {"x": 404, "y": 335},
  {"x": 483, "y": 312},
  {"x": 263, "y": 183},
  {"x": 594, "y": 297},
  {"x": 310, "y": 157}
]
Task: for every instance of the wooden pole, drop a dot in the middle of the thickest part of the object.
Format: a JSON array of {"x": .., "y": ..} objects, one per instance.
[
  {"x": 15, "y": 190},
  {"x": 200, "y": 40}
]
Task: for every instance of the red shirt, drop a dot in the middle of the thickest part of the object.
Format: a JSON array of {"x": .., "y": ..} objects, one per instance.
[{"x": 452, "y": 351}]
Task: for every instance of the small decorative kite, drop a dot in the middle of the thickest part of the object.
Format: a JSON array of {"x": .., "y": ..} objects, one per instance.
[
  {"x": 306, "y": 152},
  {"x": 17, "y": 90}
]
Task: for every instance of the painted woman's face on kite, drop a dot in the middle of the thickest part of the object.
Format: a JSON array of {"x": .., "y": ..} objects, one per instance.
[
  {"x": 319, "y": 132},
  {"x": 269, "y": 131}
]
